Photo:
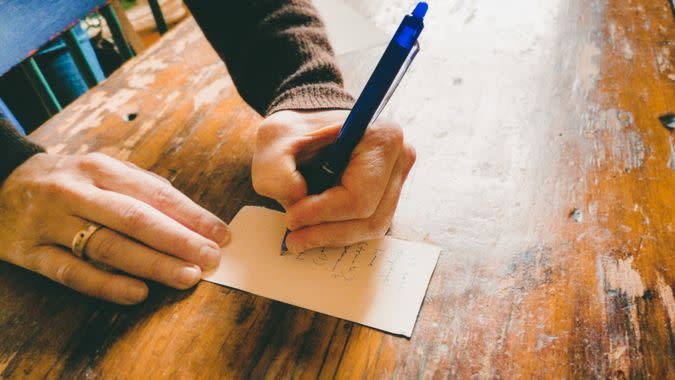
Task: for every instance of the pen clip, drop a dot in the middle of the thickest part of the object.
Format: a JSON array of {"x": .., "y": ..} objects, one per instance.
[{"x": 397, "y": 80}]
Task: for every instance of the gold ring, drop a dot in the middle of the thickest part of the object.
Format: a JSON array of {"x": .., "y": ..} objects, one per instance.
[{"x": 82, "y": 238}]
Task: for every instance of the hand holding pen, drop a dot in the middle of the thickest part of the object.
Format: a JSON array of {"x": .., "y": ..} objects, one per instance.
[
  {"x": 352, "y": 174},
  {"x": 361, "y": 207}
]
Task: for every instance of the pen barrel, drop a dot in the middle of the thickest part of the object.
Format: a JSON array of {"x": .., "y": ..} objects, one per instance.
[
  {"x": 369, "y": 101},
  {"x": 320, "y": 177},
  {"x": 327, "y": 169}
]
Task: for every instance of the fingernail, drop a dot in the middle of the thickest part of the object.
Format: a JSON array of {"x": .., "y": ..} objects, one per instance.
[
  {"x": 210, "y": 256},
  {"x": 188, "y": 276},
  {"x": 136, "y": 293},
  {"x": 221, "y": 232}
]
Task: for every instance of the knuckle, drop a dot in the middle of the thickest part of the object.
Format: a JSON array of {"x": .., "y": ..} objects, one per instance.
[
  {"x": 57, "y": 188},
  {"x": 185, "y": 244},
  {"x": 67, "y": 275},
  {"x": 262, "y": 184},
  {"x": 164, "y": 196},
  {"x": 268, "y": 132},
  {"x": 392, "y": 133},
  {"x": 33, "y": 261},
  {"x": 411, "y": 154},
  {"x": 206, "y": 223},
  {"x": 363, "y": 207},
  {"x": 158, "y": 269},
  {"x": 133, "y": 216},
  {"x": 94, "y": 162}
]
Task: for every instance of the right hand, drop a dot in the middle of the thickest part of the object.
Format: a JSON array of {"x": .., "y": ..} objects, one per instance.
[{"x": 150, "y": 229}]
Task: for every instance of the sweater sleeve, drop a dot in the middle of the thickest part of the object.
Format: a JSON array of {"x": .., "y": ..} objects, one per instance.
[
  {"x": 276, "y": 51},
  {"x": 15, "y": 149}
]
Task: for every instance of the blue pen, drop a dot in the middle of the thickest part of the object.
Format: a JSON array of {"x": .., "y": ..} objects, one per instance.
[{"x": 327, "y": 169}]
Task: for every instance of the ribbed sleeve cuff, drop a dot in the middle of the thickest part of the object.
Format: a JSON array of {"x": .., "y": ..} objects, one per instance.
[
  {"x": 316, "y": 96},
  {"x": 15, "y": 149}
]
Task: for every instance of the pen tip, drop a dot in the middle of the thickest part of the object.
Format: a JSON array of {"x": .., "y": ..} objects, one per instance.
[
  {"x": 284, "y": 249},
  {"x": 421, "y": 9}
]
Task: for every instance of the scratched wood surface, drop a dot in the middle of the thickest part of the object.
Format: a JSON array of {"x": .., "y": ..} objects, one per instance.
[{"x": 542, "y": 171}]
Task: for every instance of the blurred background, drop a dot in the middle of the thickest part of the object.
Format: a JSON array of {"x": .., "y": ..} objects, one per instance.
[{"x": 52, "y": 74}]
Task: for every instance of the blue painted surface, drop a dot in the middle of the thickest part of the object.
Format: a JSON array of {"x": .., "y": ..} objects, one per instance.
[
  {"x": 59, "y": 68},
  {"x": 27, "y": 25}
]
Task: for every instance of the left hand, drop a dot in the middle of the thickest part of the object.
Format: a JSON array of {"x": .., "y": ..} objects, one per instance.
[{"x": 360, "y": 207}]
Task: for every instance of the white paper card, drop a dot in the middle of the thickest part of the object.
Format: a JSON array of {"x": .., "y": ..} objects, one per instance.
[{"x": 379, "y": 283}]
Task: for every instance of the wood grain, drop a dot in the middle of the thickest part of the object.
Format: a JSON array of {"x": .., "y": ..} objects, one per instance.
[{"x": 542, "y": 171}]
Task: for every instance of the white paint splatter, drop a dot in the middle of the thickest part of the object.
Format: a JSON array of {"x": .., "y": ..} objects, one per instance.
[
  {"x": 617, "y": 278},
  {"x": 588, "y": 69},
  {"x": 663, "y": 61},
  {"x": 186, "y": 40},
  {"x": 620, "y": 276},
  {"x": 627, "y": 50},
  {"x": 173, "y": 96},
  {"x": 544, "y": 340},
  {"x": 119, "y": 99},
  {"x": 635, "y": 154},
  {"x": 209, "y": 93},
  {"x": 152, "y": 63},
  {"x": 95, "y": 98},
  {"x": 140, "y": 80},
  {"x": 94, "y": 118},
  {"x": 138, "y": 133},
  {"x": 666, "y": 295}
]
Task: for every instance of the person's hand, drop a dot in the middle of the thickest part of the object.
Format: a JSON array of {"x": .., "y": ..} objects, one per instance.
[
  {"x": 150, "y": 230},
  {"x": 360, "y": 207}
]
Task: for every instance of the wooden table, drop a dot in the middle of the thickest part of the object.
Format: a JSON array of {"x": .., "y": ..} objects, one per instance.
[{"x": 543, "y": 172}]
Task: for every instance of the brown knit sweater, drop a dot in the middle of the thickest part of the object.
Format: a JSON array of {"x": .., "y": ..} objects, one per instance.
[{"x": 276, "y": 51}]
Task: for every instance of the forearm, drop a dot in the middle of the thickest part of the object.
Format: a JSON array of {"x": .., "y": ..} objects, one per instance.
[
  {"x": 15, "y": 149},
  {"x": 277, "y": 53}
]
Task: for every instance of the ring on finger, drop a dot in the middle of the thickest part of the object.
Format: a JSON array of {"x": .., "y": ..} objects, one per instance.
[{"x": 82, "y": 237}]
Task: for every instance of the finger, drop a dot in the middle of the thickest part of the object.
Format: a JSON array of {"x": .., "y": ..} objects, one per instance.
[
  {"x": 127, "y": 178},
  {"x": 61, "y": 266},
  {"x": 362, "y": 185},
  {"x": 352, "y": 231},
  {"x": 109, "y": 247},
  {"x": 146, "y": 224},
  {"x": 275, "y": 163}
]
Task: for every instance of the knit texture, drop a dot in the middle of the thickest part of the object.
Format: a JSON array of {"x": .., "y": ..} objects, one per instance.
[{"x": 15, "y": 149}]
